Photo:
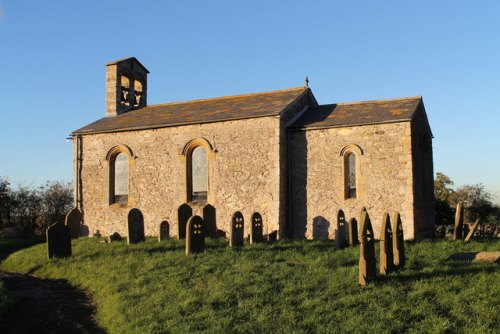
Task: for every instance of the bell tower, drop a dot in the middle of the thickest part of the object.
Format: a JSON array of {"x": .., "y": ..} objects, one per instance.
[{"x": 126, "y": 86}]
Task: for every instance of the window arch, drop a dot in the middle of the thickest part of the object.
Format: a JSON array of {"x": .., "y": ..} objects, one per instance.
[
  {"x": 197, "y": 153},
  {"x": 351, "y": 155},
  {"x": 120, "y": 159}
]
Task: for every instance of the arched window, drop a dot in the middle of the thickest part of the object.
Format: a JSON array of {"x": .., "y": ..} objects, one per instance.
[
  {"x": 119, "y": 158},
  {"x": 350, "y": 175},
  {"x": 351, "y": 155},
  {"x": 197, "y": 154},
  {"x": 199, "y": 174}
]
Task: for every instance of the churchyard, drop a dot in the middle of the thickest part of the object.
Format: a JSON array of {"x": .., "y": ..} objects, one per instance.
[{"x": 283, "y": 286}]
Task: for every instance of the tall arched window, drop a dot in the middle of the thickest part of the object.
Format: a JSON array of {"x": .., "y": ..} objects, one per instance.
[
  {"x": 351, "y": 155},
  {"x": 119, "y": 158},
  {"x": 350, "y": 174},
  {"x": 199, "y": 174}
]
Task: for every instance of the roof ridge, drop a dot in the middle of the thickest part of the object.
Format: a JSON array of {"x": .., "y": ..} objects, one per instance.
[
  {"x": 380, "y": 100},
  {"x": 228, "y": 97}
]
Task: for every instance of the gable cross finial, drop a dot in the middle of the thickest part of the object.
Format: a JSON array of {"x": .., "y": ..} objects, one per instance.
[{"x": 307, "y": 82}]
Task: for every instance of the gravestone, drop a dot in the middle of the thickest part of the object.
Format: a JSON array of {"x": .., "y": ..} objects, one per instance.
[
  {"x": 273, "y": 236},
  {"x": 74, "y": 222},
  {"x": 472, "y": 230},
  {"x": 256, "y": 232},
  {"x": 135, "y": 227},
  {"x": 164, "y": 231},
  {"x": 209, "y": 218},
  {"x": 398, "y": 241},
  {"x": 114, "y": 237},
  {"x": 58, "y": 241},
  {"x": 183, "y": 214},
  {"x": 367, "y": 265},
  {"x": 353, "y": 232},
  {"x": 237, "y": 228},
  {"x": 459, "y": 222},
  {"x": 340, "y": 239},
  {"x": 386, "y": 255},
  {"x": 195, "y": 235}
]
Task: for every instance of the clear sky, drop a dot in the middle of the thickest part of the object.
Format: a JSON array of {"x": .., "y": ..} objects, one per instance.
[{"x": 53, "y": 56}]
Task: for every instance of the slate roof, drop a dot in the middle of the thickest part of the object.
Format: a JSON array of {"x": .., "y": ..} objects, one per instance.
[
  {"x": 198, "y": 111},
  {"x": 359, "y": 113}
]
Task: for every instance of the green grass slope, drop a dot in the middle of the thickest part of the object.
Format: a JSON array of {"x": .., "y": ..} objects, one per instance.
[{"x": 284, "y": 287}]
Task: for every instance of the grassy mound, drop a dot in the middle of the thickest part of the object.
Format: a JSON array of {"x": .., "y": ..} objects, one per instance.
[{"x": 285, "y": 287}]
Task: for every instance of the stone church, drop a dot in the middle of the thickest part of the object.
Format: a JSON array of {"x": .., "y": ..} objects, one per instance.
[{"x": 279, "y": 153}]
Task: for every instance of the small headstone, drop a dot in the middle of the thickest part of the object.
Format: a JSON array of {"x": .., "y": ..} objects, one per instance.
[
  {"x": 237, "y": 229},
  {"x": 58, "y": 241},
  {"x": 114, "y": 237},
  {"x": 209, "y": 217},
  {"x": 74, "y": 222},
  {"x": 256, "y": 232},
  {"x": 195, "y": 235},
  {"x": 164, "y": 231},
  {"x": 340, "y": 239},
  {"x": 386, "y": 255},
  {"x": 353, "y": 232},
  {"x": 367, "y": 265},
  {"x": 135, "y": 230},
  {"x": 273, "y": 236},
  {"x": 183, "y": 214},
  {"x": 459, "y": 222},
  {"x": 472, "y": 230},
  {"x": 398, "y": 241}
]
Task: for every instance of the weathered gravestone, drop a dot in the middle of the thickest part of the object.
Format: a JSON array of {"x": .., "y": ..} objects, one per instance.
[
  {"x": 459, "y": 222},
  {"x": 114, "y": 237},
  {"x": 195, "y": 235},
  {"x": 58, "y": 241},
  {"x": 183, "y": 214},
  {"x": 340, "y": 239},
  {"x": 472, "y": 230},
  {"x": 135, "y": 227},
  {"x": 237, "y": 228},
  {"x": 386, "y": 256},
  {"x": 353, "y": 231},
  {"x": 273, "y": 236},
  {"x": 398, "y": 241},
  {"x": 209, "y": 217},
  {"x": 74, "y": 222},
  {"x": 164, "y": 231},
  {"x": 256, "y": 232},
  {"x": 367, "y": 265}
]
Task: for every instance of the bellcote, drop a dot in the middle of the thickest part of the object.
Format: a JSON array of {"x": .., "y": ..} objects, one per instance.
[{"x": 126, "y": 86}]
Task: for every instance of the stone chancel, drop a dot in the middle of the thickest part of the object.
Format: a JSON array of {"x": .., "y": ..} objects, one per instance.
[{"x": 279, "y": 153}]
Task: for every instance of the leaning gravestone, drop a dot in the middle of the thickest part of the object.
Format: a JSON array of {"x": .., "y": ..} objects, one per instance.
[
  {"x": 58, "y": 241},
  {"x": 367, "y": 265},
  {"x": 164, "y": 231},
  {"x": 256, "y": 232},
  {"x": 353, "y": 231},
  {"x": 398, "y": 241},
  {"x": 209, "y": 217},
  {"x": 195, "y": 235},
  {"x": 237, "y": 228},
  {"x": 459, "y": 222},
  {"x": 472, "y": 230},
  {"x": 386, "y": 256},
  {"x": 74, "y": 222},
  {"x": 340, "y": 239},
  {"x": 183, "y": 214},
  {"x": 135, "y": 227}
]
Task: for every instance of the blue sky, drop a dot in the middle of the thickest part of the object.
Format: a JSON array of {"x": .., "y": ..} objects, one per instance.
[{"x": 53, "y": 56}]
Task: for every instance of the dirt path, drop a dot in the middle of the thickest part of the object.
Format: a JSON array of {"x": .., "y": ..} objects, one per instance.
[{"x": 48, "y": 306}]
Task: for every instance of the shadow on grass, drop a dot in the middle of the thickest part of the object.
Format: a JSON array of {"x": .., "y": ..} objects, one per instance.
[{"x": 12, "y": 245}]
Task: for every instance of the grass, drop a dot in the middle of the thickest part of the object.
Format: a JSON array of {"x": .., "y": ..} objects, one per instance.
[{"x": 284, "y": 287}]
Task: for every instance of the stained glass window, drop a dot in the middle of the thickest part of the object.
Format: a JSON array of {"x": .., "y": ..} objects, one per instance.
[
  {"x": 199, "y": 174},
  {"x": 351, "y": 176},
  {"x": 121, "y": 178}
]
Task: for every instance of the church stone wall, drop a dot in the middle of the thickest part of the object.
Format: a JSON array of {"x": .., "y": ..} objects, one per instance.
[
  {"x": 384, "y": 180},
  {"x": 244, "y": 174}
]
